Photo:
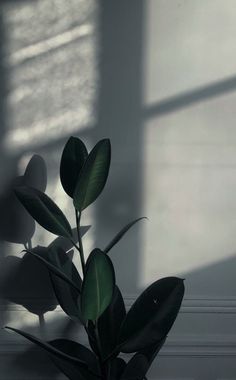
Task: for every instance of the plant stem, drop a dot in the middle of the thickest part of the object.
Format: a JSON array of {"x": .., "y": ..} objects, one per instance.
[
  {"x": 108, "y": 370},
  {"x": 98, "y": 338},
  {"x": 30, "y": 244},
  {"x": 81, "y": 249},
  {"x": 102, "y": 367},
  {"x": 42, "y": 325}
]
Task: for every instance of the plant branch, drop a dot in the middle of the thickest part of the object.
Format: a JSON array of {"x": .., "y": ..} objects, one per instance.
[
  {"x": 98, "y": 339},
  {"x": 77, "y": 248},
  {"x": 102, "y": 367},
  {"x": 114, "y": 352},
  {"x": 80, "y": 249}
]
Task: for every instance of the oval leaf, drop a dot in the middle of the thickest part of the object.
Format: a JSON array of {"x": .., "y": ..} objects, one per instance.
[
  {"x": 98, "y": 285},
  {"x": 121, "y": 233},
  {"x": 44, "y": 211},
  {"x": 117, "y": 368},
  {"x": 69, "y": 363},
  {"x": 161, "y": 302},
  {"x": 110, "y": 322},
  {"x": 67, "y": 296},
  {"x": 49, "y": 348},
  {"x": 93, "y": 175},
  {"x": 140, "y": 363},
  {"x": 64, "y": 243},
  {"x": 136, "y": 368},
  {"x": 108, "y": 325},
  {"x": 79, "y": 351},
  {"x": 54, "y": 269},
  {"x": 72, "y": 160},
  {"x": 73, "y": 371}
]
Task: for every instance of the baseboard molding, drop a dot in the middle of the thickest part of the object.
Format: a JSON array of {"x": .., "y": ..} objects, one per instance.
[
  {"x": 194, "y": 345},
  {"x": 188, "y": 346},
  {"x": 191, "y": 304},
  {"x": 200, "y": 304}
]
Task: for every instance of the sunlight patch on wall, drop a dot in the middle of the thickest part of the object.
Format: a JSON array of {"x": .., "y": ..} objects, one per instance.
[
  {"x": 50, "y": 129},
  {"x": 51, "y": 57}
]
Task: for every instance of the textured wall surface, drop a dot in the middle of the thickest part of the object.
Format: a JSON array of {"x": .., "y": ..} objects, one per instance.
[{"x": 158, "y": 78}]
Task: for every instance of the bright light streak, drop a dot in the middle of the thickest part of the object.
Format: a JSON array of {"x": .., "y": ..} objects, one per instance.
[
  {"x": 47, "y": 130},
  {"x": 49, "y": 44}
]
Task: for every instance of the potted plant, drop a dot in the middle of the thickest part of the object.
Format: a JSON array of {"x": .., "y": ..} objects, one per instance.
[{"x": 94, "y": 299}]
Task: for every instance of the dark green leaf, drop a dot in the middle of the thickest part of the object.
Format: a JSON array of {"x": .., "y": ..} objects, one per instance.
[
  {"x": 50, "y": 348},
  {"x": 72, "y": 161},
  {"x": 55, "y": 270},
  {"x": 139, "y": 364},
  {"x": 117, "y": 368},
  {"x": 98, "y": 285},
  {"x": 73, "y": 371},
  {"x": 93, "y": 175},
  {"x": 109, "y": 323},
  {"x": 152, "y": 315},
  {"x": 79, "y": 351},
  {"x": 65, "y": 243},
  {"x": 44, "y": 211},
  {"x": 67, "y": 296},
  {"x": 121, "y": 233},
  {"x": 136, "y": 368},
  {"x": 92, "y": 338}
]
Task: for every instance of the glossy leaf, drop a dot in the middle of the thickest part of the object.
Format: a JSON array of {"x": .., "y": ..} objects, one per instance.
[
  {"x": 110, "y": 322},
  {"x": 108, "y": 325},
  {"x": 136, "y": 368},
  {"x": 79, "y": 351},
  {"x": 65, "y": 243},
  {"x": 54, "y": 269},
  {"x": 92, "y": 338},
  {"x": 152, "y": 315},
  {"x": 73, "y": 158},
  {"x": 44, "y": 211},
  {"x": 49, "y": 348},
  {"x": 93, "y": 175},
  {"x": 73, "y": 371},
  {"x": 121, "y": 233},
  {"x": 117, "y": 368},
  {"x": 98, "y": 285},
  {"x": 67, "y": 296},
  {"x": 140, "y": 363}
]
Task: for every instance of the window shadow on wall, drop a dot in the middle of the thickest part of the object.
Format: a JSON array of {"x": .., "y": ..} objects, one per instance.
[
  {"x": 179, "y": 101},
  {"x": 119, "y": 118}
]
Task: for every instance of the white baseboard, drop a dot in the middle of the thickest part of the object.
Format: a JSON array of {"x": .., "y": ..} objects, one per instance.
[
  {"x": 200, "y": 304},
  {"x": 191, "y": 304},
  {"x": 184, "y": 345}
]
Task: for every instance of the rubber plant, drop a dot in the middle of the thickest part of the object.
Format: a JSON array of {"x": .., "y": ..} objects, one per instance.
[{"x": 93, "y": 299}]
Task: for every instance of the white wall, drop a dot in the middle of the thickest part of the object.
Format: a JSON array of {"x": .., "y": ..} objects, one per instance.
[
  {"x": 190, "y": 182},
  {"x": 157, "y": 77}
]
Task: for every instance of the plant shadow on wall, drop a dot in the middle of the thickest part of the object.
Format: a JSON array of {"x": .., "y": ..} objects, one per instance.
[
  {"x": 17, "y": 226},
  {"x": 93, "y": 298},
  {"x": 24, "y": 280}
]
